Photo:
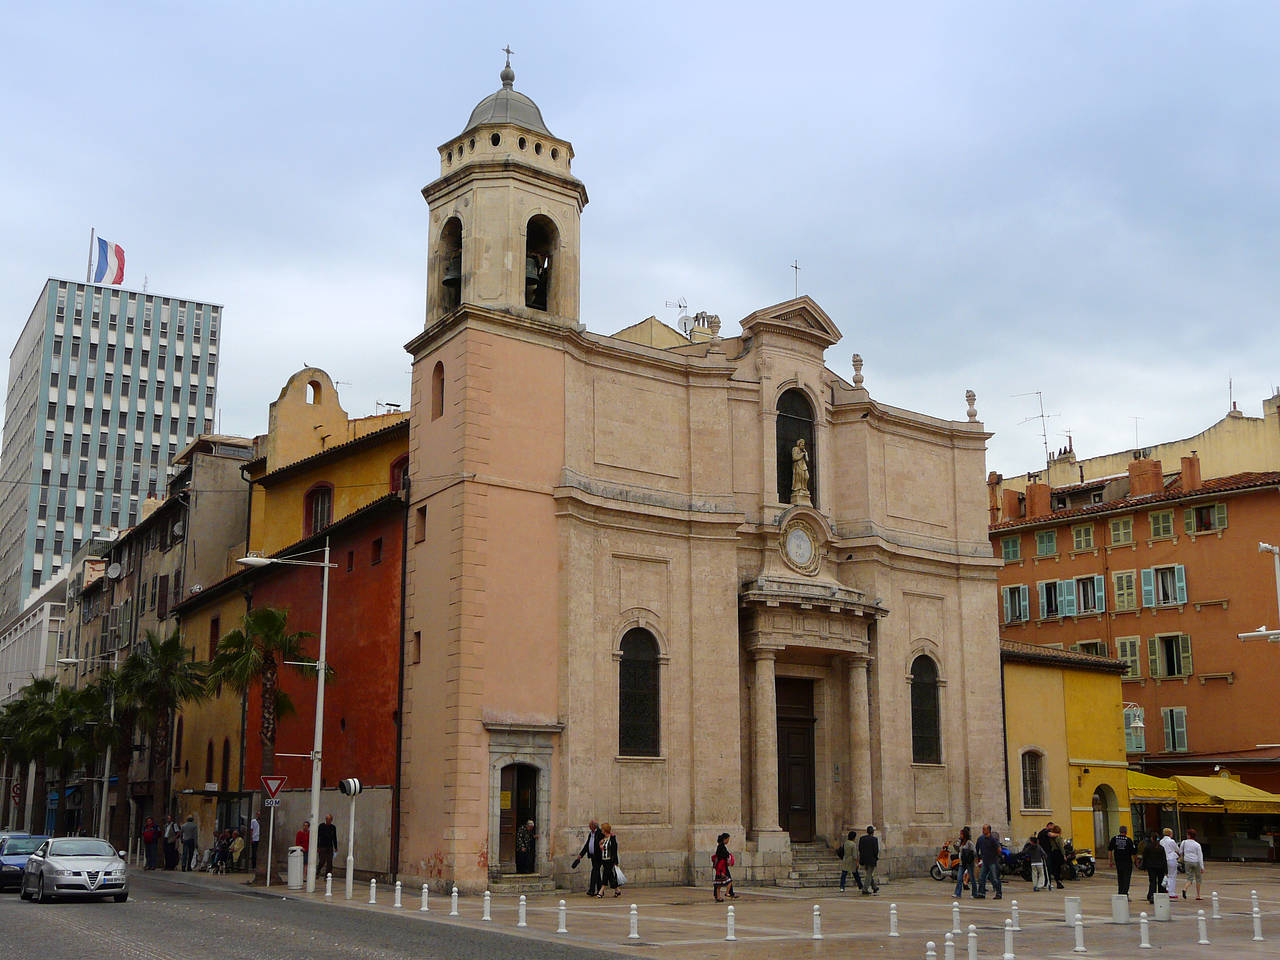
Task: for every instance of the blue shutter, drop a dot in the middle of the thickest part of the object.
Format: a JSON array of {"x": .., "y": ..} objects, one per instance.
[
  {"x": 1180, "y": 577},
  {"x": 1148, "y": 587},
  {"x": 1004, "y": 596},
  {"x": 1024, "y": 596},
  {"x": 1099, "y": 593},
  {"x": 1040, "y": 591},
  {"x": 1067, "y": 598}
]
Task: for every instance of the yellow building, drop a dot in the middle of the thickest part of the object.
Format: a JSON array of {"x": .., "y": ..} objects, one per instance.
[{"x": 1064, "y": 743}]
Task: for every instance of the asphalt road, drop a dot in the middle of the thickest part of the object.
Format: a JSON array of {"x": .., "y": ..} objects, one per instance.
[{"x": 164, "y": 921}]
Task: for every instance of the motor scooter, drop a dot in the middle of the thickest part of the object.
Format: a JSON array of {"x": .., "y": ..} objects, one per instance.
[
  {"x": 946, "y": 864},
  {"x": 1077, "y": 864}
]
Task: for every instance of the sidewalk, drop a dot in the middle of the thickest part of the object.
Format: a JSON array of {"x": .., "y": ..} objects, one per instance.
[{"x": 684, "y": 922}]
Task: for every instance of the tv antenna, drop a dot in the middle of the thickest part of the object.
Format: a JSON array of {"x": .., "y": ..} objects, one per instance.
[
  {"x": 1043, "y": 418},
  {"x": 681, "y": 304}
]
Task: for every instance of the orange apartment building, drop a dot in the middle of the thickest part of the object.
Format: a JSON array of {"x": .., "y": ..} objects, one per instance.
[{"x": 1161, "y": 572}]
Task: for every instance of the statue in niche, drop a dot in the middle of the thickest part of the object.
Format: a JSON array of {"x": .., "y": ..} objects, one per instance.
[{"x": 800, "y": 473}]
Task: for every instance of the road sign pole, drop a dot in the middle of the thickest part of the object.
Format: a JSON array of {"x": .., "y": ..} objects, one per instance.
[
  {"x": 351, "y": 839},
  {"x": 271, "y": 835}
]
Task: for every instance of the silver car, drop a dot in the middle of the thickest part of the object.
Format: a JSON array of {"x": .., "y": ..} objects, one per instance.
[{"x": 74, "y": 867}]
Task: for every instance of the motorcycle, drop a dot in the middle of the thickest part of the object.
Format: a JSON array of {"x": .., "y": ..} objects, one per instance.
[
  {"x": 1077, "y": 864},
  {"x": 946, "y": 864}
]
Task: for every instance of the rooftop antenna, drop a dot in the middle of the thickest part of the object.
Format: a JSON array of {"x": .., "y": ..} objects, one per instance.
[
  {"x": 1135, "y": 429},
  {"x": 681, "y": 304},
  {"x": 1043, "y": 418},
  {"x": 145, "y": 280},
  {"x": 795, "y": 265},
  {"x": 1231, "y": 396}
]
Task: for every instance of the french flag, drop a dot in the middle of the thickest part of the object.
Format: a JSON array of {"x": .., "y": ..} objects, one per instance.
[{"x": 110, "y": 263}]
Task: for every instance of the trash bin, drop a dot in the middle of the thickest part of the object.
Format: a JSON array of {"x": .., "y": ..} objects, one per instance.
[{"x": 295, "y": 868}]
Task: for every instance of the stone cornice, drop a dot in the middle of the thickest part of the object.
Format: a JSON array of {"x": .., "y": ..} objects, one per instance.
[{"x": 503, "y": 169}]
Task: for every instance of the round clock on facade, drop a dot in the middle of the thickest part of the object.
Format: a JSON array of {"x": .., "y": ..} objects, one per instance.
[{"x": 800, "y": 548}]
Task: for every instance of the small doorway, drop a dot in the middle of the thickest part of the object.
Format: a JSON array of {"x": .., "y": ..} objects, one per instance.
[
  {"x": 796, "y": 766},
  {"x": 1105, "y": 817},
  {"x": 517, "y": 804}
]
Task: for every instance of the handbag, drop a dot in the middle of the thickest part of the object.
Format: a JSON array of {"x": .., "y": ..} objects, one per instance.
[{"x": 622, "y": 877}]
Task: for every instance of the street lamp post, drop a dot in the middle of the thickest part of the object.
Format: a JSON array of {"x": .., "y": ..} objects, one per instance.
[
  {"x": 1262, "y": 633},
  {"x": 106, "y": 767},
  {"x": 320, "y": 666}
]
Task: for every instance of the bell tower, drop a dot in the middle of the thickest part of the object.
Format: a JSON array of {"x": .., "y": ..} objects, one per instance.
[{"x": 505, "y": 215}]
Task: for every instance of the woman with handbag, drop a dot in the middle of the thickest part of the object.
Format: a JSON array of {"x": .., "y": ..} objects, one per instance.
[
  {"x": 722, "y": 860},
  {"x": 608, "y": 861}
]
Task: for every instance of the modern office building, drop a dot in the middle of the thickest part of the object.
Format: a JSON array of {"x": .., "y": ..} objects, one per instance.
[{"x": 106, "y": 385}]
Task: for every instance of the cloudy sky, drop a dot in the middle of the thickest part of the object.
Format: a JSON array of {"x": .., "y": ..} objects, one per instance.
[{"x": 1077, "y": 198}]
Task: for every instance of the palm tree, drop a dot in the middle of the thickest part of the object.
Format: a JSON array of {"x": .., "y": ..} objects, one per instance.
[
  {"x": 253, "y": 654},
  {"x": 156, "y": 679}
]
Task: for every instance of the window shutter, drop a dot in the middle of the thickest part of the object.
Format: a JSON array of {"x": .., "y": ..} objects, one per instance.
[
  {"x": 1219, "y": 516},
  {"x": 1148, "y": 587},
  {"x": 1166, "y": 715},
  {"x": 1004, "y": 596},
  {"x": 1184, "y": 654},
  {"x": 1189, "y": 520},
  {"x": 162, "y": 605},
  {"x": 1180, "y": 576},
  {"x": 1153, "y": 657},
  {"x": 1067, "y": 598},
  {"x": 1099, "y": 594},
  {"x": 1025, "y": 596},
  {"x": 1179, "y": 728},
  {"x": 1040, "y": 591}
]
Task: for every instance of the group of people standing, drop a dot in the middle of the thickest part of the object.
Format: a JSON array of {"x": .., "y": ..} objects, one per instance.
[
  {"x": 600, "y": 849},
  {"x": 985, "y": 849},
  {"x": 1046, "y": 852}
]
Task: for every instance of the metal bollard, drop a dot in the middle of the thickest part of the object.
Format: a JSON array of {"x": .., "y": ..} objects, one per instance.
[
  {"x": 485, "y": 916},
  {"x": 893, "y": 920},
  {"x": 1016, "y": 925},
  {"x": 426, "y": 895},
  {"x": 930, "y": 951},
  {"x": 397, "y": 904},
  {"x": 328, "y": 885},
  {"x": 1144, "y": 931},
  {"x": 635, "y": 924},
  {"x": 1008, "y": 941},
  {"x": 817, "y": 922},
  {"x": 522, "y": 922},
  {"x": 1257, "y": 924},
  {"x": 1079, "y": 925},
  {"x": 955, "y": 916},
  {"x": 973, "y": 942},
  {"x": 729, "y": 934},
  {"x": 562, "y": 928},
  {"x": 1217, "y": 914},
  {"x": 373, "y": 890},
  {"x": 453, "y": 903},
  {"x": 1203, "y": 927},
  {"x": 949, "y": 947}
]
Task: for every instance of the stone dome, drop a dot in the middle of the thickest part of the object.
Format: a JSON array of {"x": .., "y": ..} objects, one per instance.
[{"x": 508, "y": 106}]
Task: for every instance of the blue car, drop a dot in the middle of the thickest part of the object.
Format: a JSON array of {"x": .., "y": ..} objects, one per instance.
[{"x": 14, "y": 850}]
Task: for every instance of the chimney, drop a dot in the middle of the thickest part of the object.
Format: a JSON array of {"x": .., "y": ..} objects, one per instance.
[
  {"x": 1145, "y": 477},
  {"x": 1038, "y": 500},
  {"x": 1191, "y": 472},
  {"x": 1010, "y": 505}
]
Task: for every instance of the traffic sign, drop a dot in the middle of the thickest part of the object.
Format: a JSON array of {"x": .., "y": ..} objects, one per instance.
[
  {"x": 271, "y": 802},
  {"x": 16, "y": 792},
  {"x": 273, "y": 785}
]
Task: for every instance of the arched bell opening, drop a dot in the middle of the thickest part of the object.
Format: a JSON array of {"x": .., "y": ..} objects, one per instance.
[
  {"x": 541, "y": 241},
  {"x": 451, "y": 264}
]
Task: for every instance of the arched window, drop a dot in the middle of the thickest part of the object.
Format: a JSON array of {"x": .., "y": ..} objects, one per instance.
[
  {"x": 1033, "y": 792},
  {"x": 317, "y": 508},
  {"x": 926, "y": 732},
  {"x": 451, "y": 264},
  {"x": 225, "y": 782},
  {"x": 638, "y": 695},
  {"x": 437, "y": 391},
  {"x": 400, "y": 473},
  {"x": 541, "y": 240},
  {"x": 795, "y": 424},
  {"x": 208, "y": 763},
  {"x": 313, "y": 391},
  {"x": 177, "y": 746}
]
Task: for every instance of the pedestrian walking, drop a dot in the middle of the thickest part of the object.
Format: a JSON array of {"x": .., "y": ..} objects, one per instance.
[
  {"x": 988, "y": 847},
  {"x": 1193, "y": 862},
  {"x": 965, "y": 872},
  {"x": 150, "y": 842},
  {"x": 326, "y": 844},
  {"x": 591, "y": 850},
  {"x": 1120, "y": 853},
  {"x": 608, "y": 861},
  {"x": 190, "y": 834},
  {"x": 722, "y": 860},
  {"x": 849, "y": 860},
  {"x": 526, "y": 847},
  {"x": 170, "y": 837},
  {"x": 303, "y": 839},
  {"x": 868, "y": 857},
  {"x": 1151, "y": 855},
  {"x": 1170, "y": 848},
  {"x": 1057, "y": 855},
  {"x": 255, "y": 834}
]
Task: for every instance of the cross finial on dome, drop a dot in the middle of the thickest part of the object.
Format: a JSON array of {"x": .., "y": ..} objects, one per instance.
[{"x": 507, "y": 76}]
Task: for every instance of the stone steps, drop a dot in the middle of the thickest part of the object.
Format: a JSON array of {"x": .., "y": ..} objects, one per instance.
[
  {"x": 514, "y": 884},
  {"x": 812, "y": 865}
]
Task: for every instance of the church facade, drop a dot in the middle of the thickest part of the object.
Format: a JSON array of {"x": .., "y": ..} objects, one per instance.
[{"x": 686, "y": 589}]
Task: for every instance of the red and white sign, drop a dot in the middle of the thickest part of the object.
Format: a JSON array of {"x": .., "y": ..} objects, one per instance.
[
  {"x": 16, "y": 792},
  {"x": 273, "y": 785}
]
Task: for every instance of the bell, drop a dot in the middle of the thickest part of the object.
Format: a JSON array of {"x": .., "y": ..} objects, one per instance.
[
  {"x": 453, "y": 271},
  {"x": 532, "y": 270}
]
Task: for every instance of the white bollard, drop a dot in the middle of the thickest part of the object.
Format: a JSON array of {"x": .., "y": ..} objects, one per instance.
[
  {"x": 373, "y": 890},
  {"x": 1217, "y": 914},
  {"x": 955, "y": 916},
  {"x": 1008, "y": 941},
  {"x": 949, "y": 947},
  {"x": 973, "y": 942},
  {"x": 1079, "y": 947},
  {"x": 522, "y": 922},
  {"x": 1119, "y": 908},
  {"x": 351, "y": 876},
  {"x": 817, "y": 922},
  {"x": 562, "y": 928},
  {"x": 426, "y": 896},
  {"x": 1253, "y": 896},
  {"x": 930, "y": 951},
  {"x": 1203, "y": 927},
  {"x": 893, "y": 920},
  {"x": 635, "y": 924},
  {"x": 328, "y": 885},
  {"x": 453, "y": 903},
  {"x": 1144, "y": 931},
  {"x": 485, "y": 916},
  {"x": 729, "y": 934},
  {"x": 1162, "y": 911},
  {"x": 1016, "y": 925},
  {"x": 397, "y": 904},
  {"x": 1070, "y": 909},
  {"x": 1257, "y": 924}
]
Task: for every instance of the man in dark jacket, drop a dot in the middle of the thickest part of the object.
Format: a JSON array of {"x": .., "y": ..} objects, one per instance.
[
  {"x": 868, "y": 857},
  {"x": 989, "y": 853},
  {"x": 1120, "y": 853},
  {"x": 326, "y": 844},
  {"x": 591, "y": 850}
]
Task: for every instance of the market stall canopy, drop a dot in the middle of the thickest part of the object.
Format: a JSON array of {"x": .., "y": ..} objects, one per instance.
[
  {"x": 1235, "y": 796},
  {"x": 1144, "y": 788}
]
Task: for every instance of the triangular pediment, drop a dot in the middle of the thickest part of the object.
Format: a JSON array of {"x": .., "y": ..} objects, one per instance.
[{"x": 802, "y": 315}]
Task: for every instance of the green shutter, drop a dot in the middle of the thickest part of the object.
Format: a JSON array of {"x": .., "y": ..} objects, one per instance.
[
  {"x": 1148, "y": 587},
  {"x": 1040, "y": 592},
  {"x": 1166, "y": 714},
  {"x": 1219, "y": 516},
  {"x": 1099, "y": 593},
  {"x": 1004, "y": 596},
  {"x": 1184, "y": 654},
  {"x": 1067, "y": 598},
  {"x": 1180, "y": 728},
  {"x": 1153, "y": 657},
  {"x": 1189, "y": 520},
  {"x": 1180, "y": 578},
  {"x": 1024, "y": 595}
]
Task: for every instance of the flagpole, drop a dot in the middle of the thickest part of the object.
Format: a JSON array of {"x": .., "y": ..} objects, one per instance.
[{"x": 88, "y": 270}]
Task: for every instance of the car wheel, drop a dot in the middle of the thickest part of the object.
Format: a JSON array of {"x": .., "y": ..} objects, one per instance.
[
  {"x": 42, "y": 892},
  {"x": 23, "y": 893},
  {"x": 121, "y": 897},
  {"x": 935, "y": 871}
]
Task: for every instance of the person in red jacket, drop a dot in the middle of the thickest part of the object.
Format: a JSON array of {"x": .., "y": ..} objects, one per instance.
[{"x": 303, "y": 839}]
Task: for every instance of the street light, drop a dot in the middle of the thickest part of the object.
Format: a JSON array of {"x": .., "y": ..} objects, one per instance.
[
  {"x": 320, "y": 666},
  {"x": 1136, "y": 723},
  {"x": 1262, "y": 633},
  {"x": 106, "y": 767}
]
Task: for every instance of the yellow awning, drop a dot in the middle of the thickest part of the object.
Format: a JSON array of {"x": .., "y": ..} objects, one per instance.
[
  {"x": 1235, "y": 796},
  {"x": 1144, "y": 788}
]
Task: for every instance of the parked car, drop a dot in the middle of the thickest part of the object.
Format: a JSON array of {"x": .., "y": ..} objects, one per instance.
[
  {"x": 74, "y": 867},
  {"x": 14, "y": 850}
]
